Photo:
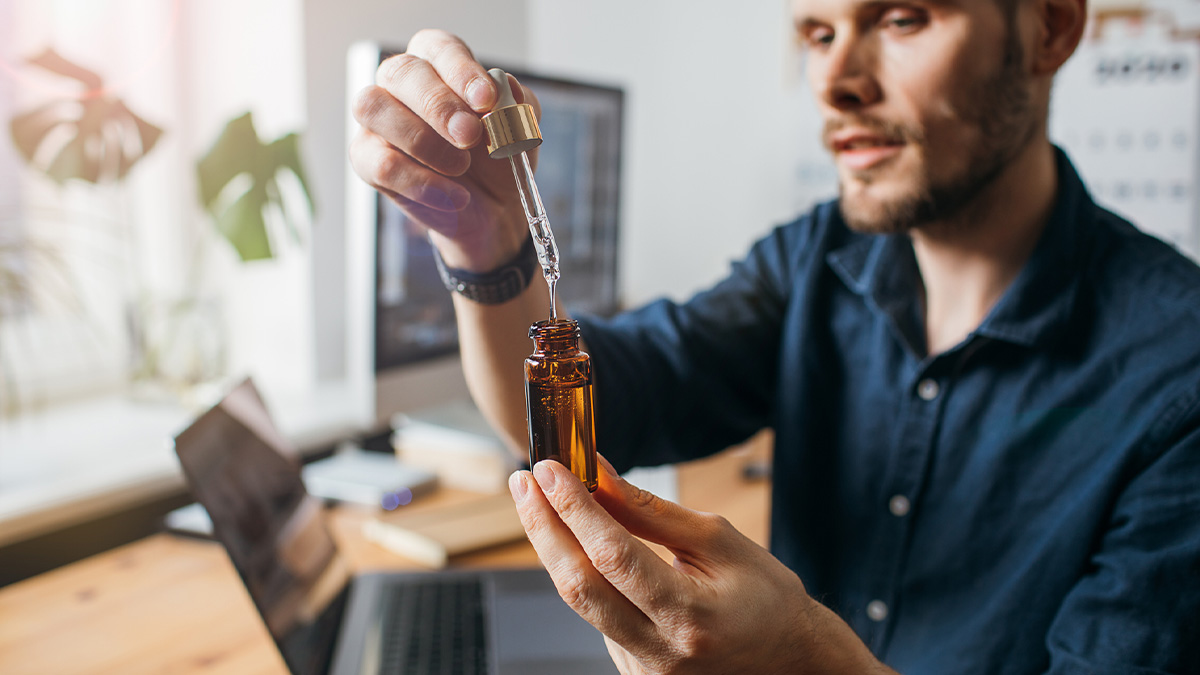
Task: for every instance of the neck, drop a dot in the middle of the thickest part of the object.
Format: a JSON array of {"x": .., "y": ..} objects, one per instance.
[{"x": 967, "y": 263}]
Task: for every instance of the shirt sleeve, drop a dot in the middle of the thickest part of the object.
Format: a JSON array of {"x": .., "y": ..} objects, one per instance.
[
  {"x": 680, "y": 381},
  {"x": 1136, "y": 609}
]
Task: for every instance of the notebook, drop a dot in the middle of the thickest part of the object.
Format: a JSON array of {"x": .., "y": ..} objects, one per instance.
[{"x": 325, "y": 619}]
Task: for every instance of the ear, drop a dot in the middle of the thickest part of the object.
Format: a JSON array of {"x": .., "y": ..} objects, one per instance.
[{"x": 1060, "y": 28}]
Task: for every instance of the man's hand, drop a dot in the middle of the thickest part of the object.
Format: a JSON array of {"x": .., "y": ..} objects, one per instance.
[
  {"x": 422, "y": 143},
  {"x": 725, "y": 605}
]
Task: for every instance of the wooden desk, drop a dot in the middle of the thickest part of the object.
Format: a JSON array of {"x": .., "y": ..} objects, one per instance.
[{"x": 168, "y": 604}]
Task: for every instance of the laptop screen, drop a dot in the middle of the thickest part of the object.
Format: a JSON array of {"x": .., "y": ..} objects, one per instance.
[{"x": 248, "y": 478}]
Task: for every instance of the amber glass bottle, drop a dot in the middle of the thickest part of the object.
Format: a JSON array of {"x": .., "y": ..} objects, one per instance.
[{"x": 558, "y": 399}]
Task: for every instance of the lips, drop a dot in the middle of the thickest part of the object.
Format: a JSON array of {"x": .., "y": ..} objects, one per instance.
[
  {"x": 860, "y": 149},
  {"x": 860, "y": 142}
]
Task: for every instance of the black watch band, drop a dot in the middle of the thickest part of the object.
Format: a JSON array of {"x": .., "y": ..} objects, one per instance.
[{"x": 491, "y": 288}]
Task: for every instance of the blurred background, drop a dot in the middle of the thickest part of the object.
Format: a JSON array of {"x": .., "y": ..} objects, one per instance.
[{"x": 174, "y": 200}]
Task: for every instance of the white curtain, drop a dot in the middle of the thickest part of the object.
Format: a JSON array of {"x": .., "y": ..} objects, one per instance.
[{"x": 187, "y": 67}]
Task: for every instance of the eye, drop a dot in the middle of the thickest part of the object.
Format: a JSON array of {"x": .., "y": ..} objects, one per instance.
[
  {"x": 815, "y": 36},
  {"x": 902, "y": 20}
]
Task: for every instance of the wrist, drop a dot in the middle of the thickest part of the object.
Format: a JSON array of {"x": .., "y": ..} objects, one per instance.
[
  {"x": 495, "y": 286},
  {"x": 481, "y": 251},
  {"x": 840, "y": 649}
]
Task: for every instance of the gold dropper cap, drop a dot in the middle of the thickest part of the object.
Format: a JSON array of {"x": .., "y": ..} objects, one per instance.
[{"x": 511, "y": 127}]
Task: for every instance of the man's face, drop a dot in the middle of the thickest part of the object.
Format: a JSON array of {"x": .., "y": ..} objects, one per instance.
[{"x": 924, "y": 102}]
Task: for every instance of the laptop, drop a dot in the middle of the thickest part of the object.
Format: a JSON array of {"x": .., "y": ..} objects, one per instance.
[{"x": 323, "y": 618}]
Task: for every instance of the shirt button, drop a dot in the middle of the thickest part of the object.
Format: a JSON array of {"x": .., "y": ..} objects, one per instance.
[
  {"x": 928, "y": 389},
  {"x": 899, "y": 505},
  {"x": 876, "y": 610}
]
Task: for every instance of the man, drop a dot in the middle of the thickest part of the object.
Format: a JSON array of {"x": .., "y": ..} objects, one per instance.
[{"x": 985, "y": 389}]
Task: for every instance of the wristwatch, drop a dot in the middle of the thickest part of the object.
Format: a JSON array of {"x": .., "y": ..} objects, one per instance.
[{"x": 491, "y": 288}]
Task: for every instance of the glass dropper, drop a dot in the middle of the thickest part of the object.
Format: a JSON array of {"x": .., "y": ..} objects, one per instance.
[
  {"x": 539, "y": 224},
  {"x": 512, "y": 131}
]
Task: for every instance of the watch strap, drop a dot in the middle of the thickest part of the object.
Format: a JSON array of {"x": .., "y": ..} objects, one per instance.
[{"x": 495, "y": 287}]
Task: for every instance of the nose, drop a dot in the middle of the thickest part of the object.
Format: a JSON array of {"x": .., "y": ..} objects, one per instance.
[{"x": 844, "y": 75}]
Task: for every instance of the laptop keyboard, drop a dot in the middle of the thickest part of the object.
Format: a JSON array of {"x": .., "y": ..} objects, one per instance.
[{"x": 434, "y": 628}]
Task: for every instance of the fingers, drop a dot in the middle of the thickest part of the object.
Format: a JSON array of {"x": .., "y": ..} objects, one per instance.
[
  {"x": 421, "y": 144},
  {"x": 457, "y": 67},
  {"x": 624, "y": 561},
  {"x": 694, "y": 536},
  {"x": 578, "y": 582},
  {"x": 413, "y": 82},
  {"x": 383, "y": 166},
  {"x": 435, "y": 79},
  {"x": 378, "y": 111},
  {"x": 425, "y": 102}
]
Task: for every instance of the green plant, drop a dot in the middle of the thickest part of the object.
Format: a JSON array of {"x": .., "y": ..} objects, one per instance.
[
  {"x": 240, "y": 217},
  {"x": 104, "y": 140},
  {"x": 91, "y": 136}
]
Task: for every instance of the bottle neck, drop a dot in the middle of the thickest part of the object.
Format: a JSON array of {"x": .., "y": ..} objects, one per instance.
[{"x": 555, "y": 338}]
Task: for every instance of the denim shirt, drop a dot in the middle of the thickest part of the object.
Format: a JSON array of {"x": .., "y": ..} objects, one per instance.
[{"x": 1027, "y": 501}]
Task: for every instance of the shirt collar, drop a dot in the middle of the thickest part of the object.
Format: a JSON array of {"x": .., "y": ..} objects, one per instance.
[{"x": 1035, "y": 309}]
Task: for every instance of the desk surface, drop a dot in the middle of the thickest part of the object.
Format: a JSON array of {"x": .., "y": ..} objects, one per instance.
[{"x": 168, "y": 604}]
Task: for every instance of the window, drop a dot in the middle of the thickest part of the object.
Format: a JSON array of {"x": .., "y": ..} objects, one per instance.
[{"x": 114, "y": 275}]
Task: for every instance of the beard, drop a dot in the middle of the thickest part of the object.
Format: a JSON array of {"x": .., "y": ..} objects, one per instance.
[{"x": 1001, "y": 111}]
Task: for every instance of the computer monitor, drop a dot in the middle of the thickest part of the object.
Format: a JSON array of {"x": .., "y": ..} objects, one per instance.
[{"x": 402, "y": 336}]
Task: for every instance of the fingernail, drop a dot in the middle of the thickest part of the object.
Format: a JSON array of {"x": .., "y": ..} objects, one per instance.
[
  {"x": 464, "y": 128},
  {"x": 479, "y": 93},
  {"x": 544, "y": 475},
  {"x": 517, "y": 486}
]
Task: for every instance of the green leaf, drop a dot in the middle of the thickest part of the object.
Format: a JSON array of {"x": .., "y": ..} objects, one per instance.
[
  {"x": 243, "y": 225},
  {"x": 286, "y": 151},
  {"x": 236, "y": 152},
  {"x": 228, "y": 157},
  {"x": 100, "y": 128}
]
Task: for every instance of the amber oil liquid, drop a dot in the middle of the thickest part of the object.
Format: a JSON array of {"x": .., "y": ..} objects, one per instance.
[{"x": 559, "y": 401}]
